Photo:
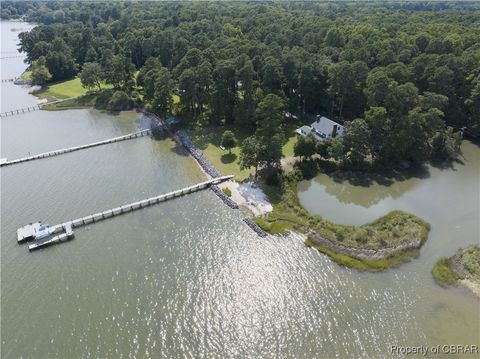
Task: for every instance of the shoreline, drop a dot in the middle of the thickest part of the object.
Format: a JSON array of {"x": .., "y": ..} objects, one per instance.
[
  {"x": 461, "y": 269},
  {"x": 364, "y": 259},
  {"x": 255, "y": 206},
  {"x": 258, "y": 209},
  {"x": 365, "y": 247}
]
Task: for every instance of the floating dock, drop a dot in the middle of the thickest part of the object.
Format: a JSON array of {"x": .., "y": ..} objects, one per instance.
[
  {"x": 25, "y": 233},
  {"x": 5, "y": 162}
]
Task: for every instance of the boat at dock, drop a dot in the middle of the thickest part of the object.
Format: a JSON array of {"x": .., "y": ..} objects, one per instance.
[
  {"x": 27, "y": 232},
  {"x": 41, "y": 233}
]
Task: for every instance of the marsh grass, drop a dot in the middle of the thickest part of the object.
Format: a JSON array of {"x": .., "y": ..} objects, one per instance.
[
  {"x": 273, "y": 227},
  {"x": 365, "y": 265},
  {"x": 470, "y": 260},
  {"x": 443, "y": 274},
  {"x": 465, "y": 264},
  {"x": 388, "y": 231}
]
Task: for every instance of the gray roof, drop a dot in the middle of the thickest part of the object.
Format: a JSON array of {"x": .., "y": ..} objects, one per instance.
[
  {"x": 321, "y": 128},
  {"x": 325, "y": 125},
  {"x": 304, "y": 130}
]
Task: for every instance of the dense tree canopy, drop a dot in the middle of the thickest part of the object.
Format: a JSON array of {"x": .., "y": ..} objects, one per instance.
[{"x": 403, "y": 78}]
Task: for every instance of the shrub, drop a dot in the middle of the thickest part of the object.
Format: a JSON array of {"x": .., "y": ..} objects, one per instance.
[
  {"x": 227, "y": 191},
  {"x": 119, "y": 101},
  {"x": 442, "y": 272},
  {"x": 274, "y": 178},
  {"x": 361, "y": 239},
  {"x": 340, "y": 235},
  {"x": 470, "y": 259},
  {"x": 102, "y": 99}
]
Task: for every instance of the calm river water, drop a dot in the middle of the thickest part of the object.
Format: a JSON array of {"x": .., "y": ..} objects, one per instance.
[{"x": 187, "y": 278}]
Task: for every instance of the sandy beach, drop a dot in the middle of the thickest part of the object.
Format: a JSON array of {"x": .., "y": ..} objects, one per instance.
[{"x": 249, "y": 196}]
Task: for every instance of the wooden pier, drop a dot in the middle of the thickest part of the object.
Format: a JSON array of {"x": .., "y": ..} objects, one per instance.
[
  {"x": 12, "y": 57},
  {"x": 68, "y": 227},
  {"x": 9, "y": 80},
  {"x": 76, "y": 148},
  {"x": 21, "y": 110},
  {"x": 37, "y": 107}
]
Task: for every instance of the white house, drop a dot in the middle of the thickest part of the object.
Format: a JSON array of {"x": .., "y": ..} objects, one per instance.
[{"x": 322, "y": 128}]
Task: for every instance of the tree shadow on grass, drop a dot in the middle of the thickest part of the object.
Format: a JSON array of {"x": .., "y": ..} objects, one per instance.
[{"x": 228, "y": 157}]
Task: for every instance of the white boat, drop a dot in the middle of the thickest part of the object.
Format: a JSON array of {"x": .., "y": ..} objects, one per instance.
[{"x": 41, "y": 232}]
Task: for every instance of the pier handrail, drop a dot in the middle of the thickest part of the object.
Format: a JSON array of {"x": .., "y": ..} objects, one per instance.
[
  {"x": 77, "y": 148},
  {"x": 19, "y": 111}
]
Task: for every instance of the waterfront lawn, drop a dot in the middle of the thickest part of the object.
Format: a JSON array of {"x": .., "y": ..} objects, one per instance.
[
  {"x": 208, "y": 140},
  {"x": 291, "y": 125},
  {"x": 64, "y": 89},
  {"x": 288, "y": 147},
  {"x": 26, "y": 75}
]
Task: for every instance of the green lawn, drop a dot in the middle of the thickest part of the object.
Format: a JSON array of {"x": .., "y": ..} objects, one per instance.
[
  {"x": 208, "y": 140},
  {"x": 290, "y": 126},
  {"x": 26, "y": 75},
  {"x": 64, "y": 89},
  {"x": 288, "y": 147},
  {"x": 227, "y": 163}
]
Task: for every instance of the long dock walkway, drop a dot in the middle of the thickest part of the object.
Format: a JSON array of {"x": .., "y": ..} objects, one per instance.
[
  {"x": 9, "y": 80},
  {"x": 77, "y": 148},
  {"x": 37, "y": 107},
  {"x": 12, "y": 57},
  {"x": 19, "y": 111},
  {"x": 67, "y": 227}
]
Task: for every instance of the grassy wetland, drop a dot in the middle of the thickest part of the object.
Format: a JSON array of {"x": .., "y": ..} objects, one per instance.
[
  {"x": 463, "y": 268},
  {"x": 386, "y": 242}
]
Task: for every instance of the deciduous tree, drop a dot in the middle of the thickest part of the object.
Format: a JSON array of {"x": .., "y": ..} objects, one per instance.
[
  {"x": 91, "y": 75},
  {"x": 228, "y": 140},
  {"x": 40, "y": 73}
]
